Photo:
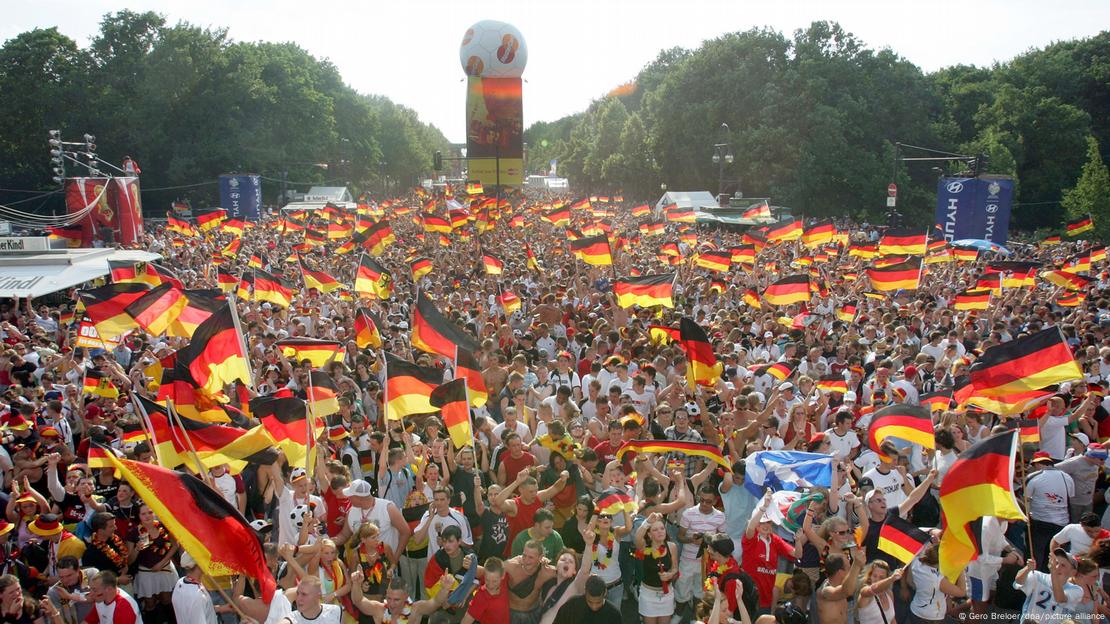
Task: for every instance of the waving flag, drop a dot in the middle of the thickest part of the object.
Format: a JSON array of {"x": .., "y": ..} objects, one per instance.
[
  {"x": 450, "y": 398},
  {"x": 645, "y": 291},
  {"x": 902, "y": 242},
  {"x": 433, "y": 333},
  {"x": 367, "y": 330},
  {"x": 901, "y": 539},
  {"x": 788, "y": 290},
  {"x": 318, "y": 352},
  {"x": 702, "y": 366},
  {"x": 408, "y": 387},
  {"x": 215, "y": 355},
  {"x": 1025, "y": 364},
  {"x": 901, "y": 276},
  {"x": 708, "y": 451},
  {"x": 593, "y": 250},
  {"x": 786, "y": 470},
  {"x": 1080, "y": 225},
  {"x": 905, "y": 422},
  {"x": 106, "y": 307}
]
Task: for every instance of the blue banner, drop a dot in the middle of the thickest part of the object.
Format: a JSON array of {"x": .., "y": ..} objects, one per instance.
[
  {"x": 241, "y": 196},
  {"x": 975, "y": 208}
]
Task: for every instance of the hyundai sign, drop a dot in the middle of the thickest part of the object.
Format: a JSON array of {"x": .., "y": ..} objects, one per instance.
[
  {"x": 241, "y": 196},
  {"x": 975, "y": 208}
]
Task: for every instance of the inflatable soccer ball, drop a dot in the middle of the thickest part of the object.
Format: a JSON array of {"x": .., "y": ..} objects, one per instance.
[{"x": 492, "y": 49}]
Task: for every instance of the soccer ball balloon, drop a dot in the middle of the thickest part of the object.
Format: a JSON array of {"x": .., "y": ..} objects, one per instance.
[{"x": 492, "y": 49}]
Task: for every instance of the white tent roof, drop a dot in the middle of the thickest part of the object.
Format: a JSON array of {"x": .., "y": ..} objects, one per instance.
[
  {"x": 41, "y": 273},
  {"x": 687, "y": 199}
]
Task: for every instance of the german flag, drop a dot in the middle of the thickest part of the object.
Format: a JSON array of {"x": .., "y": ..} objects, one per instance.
[
  {"x": 211, "y": 220},
  {"x": 660, "y": 334},
  {"x": 319, "y": 280},
  {"x": 717, "y": 286},
  {"x": 692, "y": 449},
  {"x": 234, "y": 227},
  {"x": 645, "y": 291},
  {"x": 670, "y": 249},
  {"x": 1079, "y": 226},
  {"x": 718, "y": 261},
  {"x": 702, "y": 366},
  {"x": 743, "y": 254},
  {"x": 1014, "y": 274},
  {"x": 367, "y": 330},
  {"x": 198, "y": 307},
  {"x": 1098, "y": 254},
  {"x": 863, "y": 251},
  {"x": 832, "y": 383},
  {"x": 345, "y": 248},
  {"x": 965, "y": 255},
  {"x": 189, "y": 400},
  {"x": 614, "y": 502},
  {"x": 904, "y": 422},
  {"x": 215, "y": 444},
  {"x": 255, "y": 261},
  {"x": 558, "y": 217},
  {"x": 450, "y": 399},
  {"x": 106, "y": 307},
  {"x": 533, "y": 264},
  {"x": 1024, "y": 364},
  {"x": 819, "y": 234},
  {"x": 198, "y": 517},
  {"x": 1051, "y": 240},
  {"x": 269, "y": 287},
  {"x": 376, "y": 238},
  {"x": 318, "y": 352},
  {"x": 100, "y": 384},
  {"x": 226, "y": 281},
  {"x": 420, "y": 267},
  {"x": 285, "y": 419},
  {"x": 900, "y": 539},
  {"x": 902, "y": 242},
  {"x": 436, "y": 223},
  {"x": 73, "y": 235},
  {"x": 937, "y": 401},
  {"x": 759, "y": 210},
  {"x": 215, "y": 355},
  {"x": 972, "y": 300},
  {"x": 654, "y": 228},
  {"x": 408, "y": 387},
  {"x": 508, "y": 302},
  {"x": 127, "y": 272},
  {"x": 1011, "y": 403},
  {"x": 1029, "y": 430},
  {"x": 492, "y": 265},
  {"x": 1079, "y": 264},
  {"x": 467, "y": 368},
  {"x": 847, "y": 312},
  {"x": 157, "y": 308},
  {"x": 315, "y": 238},
  {"x": 433, "y": 333},
  {"x": 788, "y": 290},
  {"x": 231, "y": 249},
  {"x": 940, "y": 256},
  {"x": 785, "y": 231},
  {"x": 593, "y": 250},
  {"x": 902, "y": 276},
  {"x": 675, "y": 214},
  {"x": 323, "y": 394},
  {"x": 751, "y": 299},
  {"x": 781, "y": 371},
  {"x": 1071, "y": 300},
  {"x": 991, "y": 281},
  {"x": 173, "y": 224},
  {"x": 1066, "y": 279},
  {"x": 372, "y": 280},
  {"x": 642, "y": 210},
  {"x": 979, "y": 483}
]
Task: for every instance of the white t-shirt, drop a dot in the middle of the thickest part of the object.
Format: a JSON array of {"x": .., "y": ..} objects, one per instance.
[
  {"x": 694, "y": 521},
  {"x": 840, "y": 446},
  {"x": 928, "y": 601},
  {"x": 1040, "y": 602},
  {"x": 1049, "y": 491},
  {"x": 379, "y": 515},
  {"x": 521, "y": 430},
  {"x": 1075, "y": 537},
  {"x": 192, "y": 602},
  {"x": 287, "y": 529},
  {"x": 453, "y": 518},
  {"x": 890, "y": 484},
  {"x": 1054, "y": 439}
]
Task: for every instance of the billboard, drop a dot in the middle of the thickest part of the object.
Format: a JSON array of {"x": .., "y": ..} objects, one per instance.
[
  {"x": 495, "y": 130},
  {"x": 975, "y": 207},
  {"x": 112, "y": 209},
  {"x": 241, "y": 195}
]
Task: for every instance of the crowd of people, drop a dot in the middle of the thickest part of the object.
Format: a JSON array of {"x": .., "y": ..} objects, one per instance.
[{"x": 543, "y": 517}]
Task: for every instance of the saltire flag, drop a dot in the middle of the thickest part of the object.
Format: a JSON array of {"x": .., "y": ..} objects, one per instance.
[
  {"x": 558, "y": 217},
  {"x": 99, "y": 384},
  {"x": 979, "y": 483},
  {"x": 758, "y": 210},
  {"x": 1066, "y": 279},
  {"x": 420, "y": 267},
  {"x": 73, "y": 235},
  {"x": 408, "y": 387},
  {"x": 788, "y": 290},
  {"x": 593, "y": 250},
  {"x": 198, "y": 307},
  {"x": 318, "y": 352},
  {"x": 319, "y": 280},
  {"x": 433, "y": 333},
  {"x": 157, "y": 308},
  {"x": 271, "y": 288},
  {"x": 367, "y": 330},
  {"x": 467, "y": 368},
  {"x": 936, "y": 401},
  {"x": 976, "y": 299},
  {"x": 1024, "y": 364},
  {"x": 322, "y": 393},
  {"x": 372, "y": 279},
  {"x": 702, "y": 367},
  {"x": 660, "y": 334},
  {"x": 450, "y": 400},
  {"x": 905, "y": 422},
  {"x": 718, "y": 261},
  {"x": 694, "y": 449},
  {"x": 903, "y": 242},
  {"x": 676, "y": 214},
  {"x": 786, "y": 470},
  {"x": 198, "y": 517},
  {"x": 1029, "y": 430},
  {"x": 902, "y": 276},
  {"x": 785, "y": 231},
  {"x": 211, "y": 220},
  {"x": 106, "y": 307},
  {"x": 847, "y": 312},
  {"x": 642, "y": 210},
  {"x": 832, "y": 383},
  {"x": 492, "y": 265},
  {"x": 818, "y": 234},
  {"x": 509, "y": 302},
  {"x": 614, "y": 501},
  {"x": 1080, "y": 225},
  {"x": 645, "y": 291},
  {"x": 285, "y": 419},
  {"x": 226, "y": 281},
  {"x": 215, "y": 355},
  {"x": 901, "y": 539}
]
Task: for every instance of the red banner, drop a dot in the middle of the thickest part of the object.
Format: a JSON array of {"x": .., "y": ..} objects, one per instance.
[{"x": 112, "y": 207}]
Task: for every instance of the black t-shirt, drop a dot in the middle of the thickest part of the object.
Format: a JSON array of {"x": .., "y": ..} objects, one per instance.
[
  {"x": 871, "y": 540},
  {"x": 576, "y": 611},
  {"x": 495, "y": 535}
]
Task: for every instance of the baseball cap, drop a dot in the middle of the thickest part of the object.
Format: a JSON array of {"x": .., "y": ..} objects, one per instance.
[
  {"x": 1041, "y": 457},
  {"x": 297, "y": 474},
  {"x": 768, "y": 335},
  {"x": 1063, "y": 554},
  {"x": 786, "y": 386},
  {"x": 358, "y": 487}
]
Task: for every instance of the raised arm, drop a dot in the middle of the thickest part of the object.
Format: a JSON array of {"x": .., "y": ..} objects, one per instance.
[{"x": 917, "y": 494}]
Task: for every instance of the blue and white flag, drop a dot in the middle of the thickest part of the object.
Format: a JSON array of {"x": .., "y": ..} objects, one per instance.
[{"x": 787, "y": 470}]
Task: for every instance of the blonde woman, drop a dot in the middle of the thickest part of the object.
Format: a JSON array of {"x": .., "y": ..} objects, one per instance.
[
  {"x": 659, "y": 558},
  {"x": 875, "y": 604},
  {"x": 367, "y": 553}
]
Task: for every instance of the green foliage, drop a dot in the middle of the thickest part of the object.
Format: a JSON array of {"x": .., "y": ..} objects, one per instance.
[
  {"x": 188, "y": 104},
  {"x": 1091, "y": 194}
]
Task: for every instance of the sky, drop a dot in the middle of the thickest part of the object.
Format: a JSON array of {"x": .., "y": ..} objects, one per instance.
[{"x": 578, "y": 50}]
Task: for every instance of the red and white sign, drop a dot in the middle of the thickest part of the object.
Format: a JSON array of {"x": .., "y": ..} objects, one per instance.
[{"x": 892, "y": 190}]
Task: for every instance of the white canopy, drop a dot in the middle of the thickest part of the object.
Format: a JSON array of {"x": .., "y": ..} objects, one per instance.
[{"x": 38, "y": 274}]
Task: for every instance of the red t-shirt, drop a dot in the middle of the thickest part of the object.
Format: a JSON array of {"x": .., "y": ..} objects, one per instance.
[
  {"x": 489, "y": 609},
  {"x": 514, "y": 466},
  {"x": 761, "y": 562},
  {"x": 524, "y": 518},
  {"x": 337, "y": 511}
]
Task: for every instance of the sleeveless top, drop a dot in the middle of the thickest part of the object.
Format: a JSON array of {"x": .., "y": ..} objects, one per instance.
[
  {"x": 379, "y": 515},
  {"x": 653, "y": 567}
]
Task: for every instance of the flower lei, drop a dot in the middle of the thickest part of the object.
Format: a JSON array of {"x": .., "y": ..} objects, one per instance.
[
  {"x": 602, "y": 564},
  {"x": 656, "y": 553},
  {"x": 404, "y": 615},
  {"x": 715, "y": 574},
  {"x": 114, "y": 549},
  {"x": 163, "y": 538}
]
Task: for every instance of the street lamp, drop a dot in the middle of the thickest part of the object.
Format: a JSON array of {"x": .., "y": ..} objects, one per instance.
[{"x": 722, "y": 155}]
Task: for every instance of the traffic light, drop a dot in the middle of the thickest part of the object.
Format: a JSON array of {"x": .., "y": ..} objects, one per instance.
[
  {"x": 57, "y": 160},
  {"x": 437, "y": 161}
]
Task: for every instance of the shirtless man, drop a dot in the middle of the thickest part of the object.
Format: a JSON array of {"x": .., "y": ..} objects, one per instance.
[
  {"x": 495, "y": 374},
  {"x": 832, "y": 595},
  {"x": 397, "y": 607},
  {"x": 527, "y": 573}
]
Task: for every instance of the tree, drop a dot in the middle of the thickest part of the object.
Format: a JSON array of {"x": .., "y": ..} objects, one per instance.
[{"x": 1091, "y": 194}]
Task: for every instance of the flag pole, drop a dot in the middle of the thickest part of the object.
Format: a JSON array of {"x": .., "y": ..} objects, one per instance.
[
  {"x": 233, "y": 302},
  {"x": 201, "y": 470},
  {"x": 148, "y": 427}
]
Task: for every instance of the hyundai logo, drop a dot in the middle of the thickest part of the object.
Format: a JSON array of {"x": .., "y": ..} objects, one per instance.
[{"x": 955, "y": 187}]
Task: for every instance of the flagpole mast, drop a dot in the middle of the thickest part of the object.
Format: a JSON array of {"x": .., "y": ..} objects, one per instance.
[
  {"x": 234, "y": 305},
  {"x": 148, "y": 427},
  {"x": 201, "y": 470}
]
